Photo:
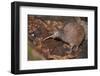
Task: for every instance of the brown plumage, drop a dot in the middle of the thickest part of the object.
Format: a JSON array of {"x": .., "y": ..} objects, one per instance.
[{"x": 72, "y": 34}]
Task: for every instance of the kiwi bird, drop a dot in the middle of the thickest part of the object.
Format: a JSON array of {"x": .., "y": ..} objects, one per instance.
[{"x": 72, "y": 34}]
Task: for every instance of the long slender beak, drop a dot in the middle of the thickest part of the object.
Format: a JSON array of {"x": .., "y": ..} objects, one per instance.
[{"x": 48, "y": 37}]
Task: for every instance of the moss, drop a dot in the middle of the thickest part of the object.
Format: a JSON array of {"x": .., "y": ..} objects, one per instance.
[{"x": 32, "y": 56}]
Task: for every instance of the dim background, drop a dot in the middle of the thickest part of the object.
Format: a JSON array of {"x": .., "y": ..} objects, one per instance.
[{"x": 5, "y": 38}]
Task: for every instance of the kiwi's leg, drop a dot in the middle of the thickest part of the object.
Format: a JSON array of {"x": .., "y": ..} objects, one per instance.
[
  {"x": 75, "y": 48},
  {"x": 71, "y": 48}
]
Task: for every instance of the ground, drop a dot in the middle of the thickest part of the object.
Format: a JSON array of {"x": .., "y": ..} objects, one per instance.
[{"x": 40, "y": 27}]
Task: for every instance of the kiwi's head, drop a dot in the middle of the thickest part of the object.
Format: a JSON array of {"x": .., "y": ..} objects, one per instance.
[{"x": 55, "y": 34}]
